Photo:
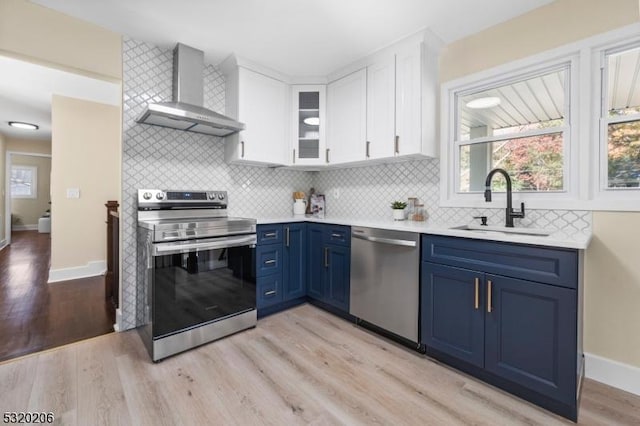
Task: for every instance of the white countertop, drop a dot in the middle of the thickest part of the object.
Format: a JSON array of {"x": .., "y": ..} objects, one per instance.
[{"x": 556, "y": 239}]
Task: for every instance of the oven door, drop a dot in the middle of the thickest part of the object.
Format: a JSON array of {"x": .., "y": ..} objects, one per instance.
[{"x": 195, "y": 282}]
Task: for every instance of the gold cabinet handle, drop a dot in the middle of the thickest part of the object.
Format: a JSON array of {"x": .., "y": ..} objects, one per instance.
[
  {"x": 489, "y": 308},
  {"x": 477, "y": 296},
  {"x": 397, "y": 145},
  {"x": 326, "y": 155},
  {"x": 241, "y": 149},
  {"x": 367, "y": 149},
  {"x": 294, "y": 156},
  {"x": 326, "y": 257}
]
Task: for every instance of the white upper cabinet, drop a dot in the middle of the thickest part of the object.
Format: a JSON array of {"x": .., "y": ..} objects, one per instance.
[
  {"x": 309, "y": 125},
  {"x": 381, "y": 111},
  {"x": 347, "y": 119},
  {"x": 262, "y": 104}
]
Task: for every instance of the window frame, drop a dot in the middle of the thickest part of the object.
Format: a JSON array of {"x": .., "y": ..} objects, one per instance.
[
  {"x": 450, "y": 196},
  {"x": 34, "y": 181},
  {"x": 604, "y": 191}
]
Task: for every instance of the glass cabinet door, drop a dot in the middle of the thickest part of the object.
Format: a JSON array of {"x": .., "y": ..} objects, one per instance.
[{"x": 309, "y": 125}]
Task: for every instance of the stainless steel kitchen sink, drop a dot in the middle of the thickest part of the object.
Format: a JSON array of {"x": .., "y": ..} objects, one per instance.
[{"x": 504, "y": 230}]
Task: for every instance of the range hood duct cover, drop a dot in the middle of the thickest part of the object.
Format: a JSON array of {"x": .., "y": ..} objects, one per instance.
[{"x": 186, "y": 112}]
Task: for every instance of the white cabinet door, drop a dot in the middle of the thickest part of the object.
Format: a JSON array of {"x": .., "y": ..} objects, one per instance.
[
  {"x": 408, "y": 101},
  {"x": 381, "y": 112},
  {"x": 309, "y": 124},
  {"x": 347, "y": 119},
  {"x": 263, "y": 106}
]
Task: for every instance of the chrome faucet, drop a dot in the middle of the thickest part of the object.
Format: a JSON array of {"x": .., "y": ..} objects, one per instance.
[{"x": 487, "y": 196}]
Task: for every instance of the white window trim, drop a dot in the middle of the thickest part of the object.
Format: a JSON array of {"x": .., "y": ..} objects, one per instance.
[
  {"x": 34, "y": 187},
  {"x": 584, "y": 149}
]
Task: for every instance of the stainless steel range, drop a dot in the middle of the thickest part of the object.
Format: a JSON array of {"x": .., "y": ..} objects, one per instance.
[{"x": 195, "y": 270}]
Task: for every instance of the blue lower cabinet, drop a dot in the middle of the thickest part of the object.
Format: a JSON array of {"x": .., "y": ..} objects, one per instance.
[
  {"x": 328, "y": 264},
  {"x": 294, "y": 263},
  {"x": 337, "y": 276},
  {"x": 531, "y": 336},
  {"x": 452, "y": 312},
  {"x": 268, "y": 259},
  {"x": 269, "y": 290},
  {"x": 315, "y": 261}
]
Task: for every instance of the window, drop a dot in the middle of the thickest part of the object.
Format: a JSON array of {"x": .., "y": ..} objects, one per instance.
[
  {"x": 24, "y": 182},
  {"x": 620, "y": 119},
  {"x": 520, "y": 125}
]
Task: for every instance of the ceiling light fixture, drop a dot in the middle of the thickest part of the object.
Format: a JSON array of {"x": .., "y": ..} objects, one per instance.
[
  {"x": 482, "y": 103},
  {"x": 312, "y": 121},
  {"x": 22, "y": 125}
]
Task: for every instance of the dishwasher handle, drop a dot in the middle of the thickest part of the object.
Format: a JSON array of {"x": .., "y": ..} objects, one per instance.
[{"x": 391, "y": 241}]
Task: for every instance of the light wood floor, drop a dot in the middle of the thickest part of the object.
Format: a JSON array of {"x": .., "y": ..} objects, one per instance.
[{"x": 302, "y": 366}]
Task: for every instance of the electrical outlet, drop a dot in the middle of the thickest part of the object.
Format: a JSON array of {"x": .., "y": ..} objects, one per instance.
[
  {"x": 73, "y": 192},
  {"x": 336, "y": 193}
]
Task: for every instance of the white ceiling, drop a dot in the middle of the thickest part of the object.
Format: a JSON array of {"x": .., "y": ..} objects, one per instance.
[
  {"x": 26, "y": 91},
  {"x": 296, "y": 37}
]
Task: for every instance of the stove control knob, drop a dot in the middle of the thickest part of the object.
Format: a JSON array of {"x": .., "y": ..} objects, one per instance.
[
  {"x": 146, "y": 195},
  {"x": 212, "y": 196},
  {"x": 160, "y": 195},
  {"x": 220, "y": 196}
]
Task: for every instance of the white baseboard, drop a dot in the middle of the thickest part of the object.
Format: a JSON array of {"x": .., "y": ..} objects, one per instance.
[
  {"x": 612, "y": 373},
  {"x": 91, "y": 269},
  {"x": 3, "y": 243},
  {"x": 24, "y": 227}
]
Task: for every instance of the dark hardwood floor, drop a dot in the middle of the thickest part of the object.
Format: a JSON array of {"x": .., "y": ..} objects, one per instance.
[{"x": 35, "y": 315}]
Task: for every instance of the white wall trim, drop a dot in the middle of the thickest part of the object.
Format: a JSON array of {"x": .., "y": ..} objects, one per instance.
[
  {"x": 116, "y": 326},
  {"x": 612, "y": 373},
  {"x": 3, "y": 243},
  {"x": 33, "y": 227},
  {"x": 91, "y": 269}
]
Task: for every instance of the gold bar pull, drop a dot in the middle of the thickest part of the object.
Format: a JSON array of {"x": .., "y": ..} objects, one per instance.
[
  {"x": 287, "y": 235},
  {"x": 326, "y": 257},
  {"x": 477, "y": 298},
  {"x": 396, "y": 147},
  {"x": 294, "y": 156},
  {"x": 489, "y": 308},
  {"x": 241, "y": 149}
]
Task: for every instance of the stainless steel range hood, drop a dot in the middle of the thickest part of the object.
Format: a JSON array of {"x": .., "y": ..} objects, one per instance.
[{"x": 186, "y": 111}]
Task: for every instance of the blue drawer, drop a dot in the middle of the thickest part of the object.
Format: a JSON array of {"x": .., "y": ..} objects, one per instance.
[
  {"x": 337, "y": 234},
  {"x": 269, "y": 290},
  {"x": 269, "y": 234},
  {"x": 268, "y": 259},
  {"x": 534, "y": 263}
]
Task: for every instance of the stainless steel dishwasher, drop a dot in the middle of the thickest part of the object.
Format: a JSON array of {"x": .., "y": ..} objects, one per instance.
[{"x": 385, "y": 279}]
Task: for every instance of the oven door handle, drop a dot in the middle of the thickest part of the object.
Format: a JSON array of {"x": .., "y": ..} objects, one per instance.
[{"x": 162, "y": 249}]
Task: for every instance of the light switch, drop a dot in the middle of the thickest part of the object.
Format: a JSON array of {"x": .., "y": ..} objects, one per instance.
[{"x": 73, "y": 192}]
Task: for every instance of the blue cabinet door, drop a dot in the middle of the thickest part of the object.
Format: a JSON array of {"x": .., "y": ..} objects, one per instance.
[
  {"x": 452, "y": 318},
  {"x": 337, "y": 276},
  {"x": 269, "y": 290},
  {"x": 294, "y": 261},
  {"x": 531, "y": 336},
  {"x": 315, "y": 261}
]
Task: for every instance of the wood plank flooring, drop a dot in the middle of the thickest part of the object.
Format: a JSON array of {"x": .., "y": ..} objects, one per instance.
[
  {"x": 301, "y": 366},
  {"x": 35, "y": 315}
]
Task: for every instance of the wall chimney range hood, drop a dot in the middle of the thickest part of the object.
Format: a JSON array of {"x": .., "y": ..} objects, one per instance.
[{"x": 186, "y": 112}]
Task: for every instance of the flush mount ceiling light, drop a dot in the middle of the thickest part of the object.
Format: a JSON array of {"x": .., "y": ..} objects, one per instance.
[
  {"x": 486, "y": 102},
  {"x": 24, "y": 126},
  {"x": 312, "y": 121}
]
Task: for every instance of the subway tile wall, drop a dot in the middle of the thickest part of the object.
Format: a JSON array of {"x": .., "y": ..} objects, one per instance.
[{"x": 165, "y": 158}]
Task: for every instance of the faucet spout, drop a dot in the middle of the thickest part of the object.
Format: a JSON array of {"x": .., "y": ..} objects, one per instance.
[{"x": 510, "y": 214}]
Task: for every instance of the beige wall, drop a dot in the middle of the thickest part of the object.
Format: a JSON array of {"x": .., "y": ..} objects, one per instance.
[
  {"x": 558, "y": 23},
  {"x": 30, "y": 31},
  {"x": 27, "y": 211},
  {"x": 86, "y": 155},
  {"x": 34, "y": 146},
  {"x": 612, "y": 269},
  {"x": 2, "y": 188}
]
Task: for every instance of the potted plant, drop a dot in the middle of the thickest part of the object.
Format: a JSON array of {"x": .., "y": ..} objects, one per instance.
[{"x": 398, "y": 209}]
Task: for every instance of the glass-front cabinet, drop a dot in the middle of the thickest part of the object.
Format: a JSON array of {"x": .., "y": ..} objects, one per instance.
[{"x": 308, "y": 147}]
